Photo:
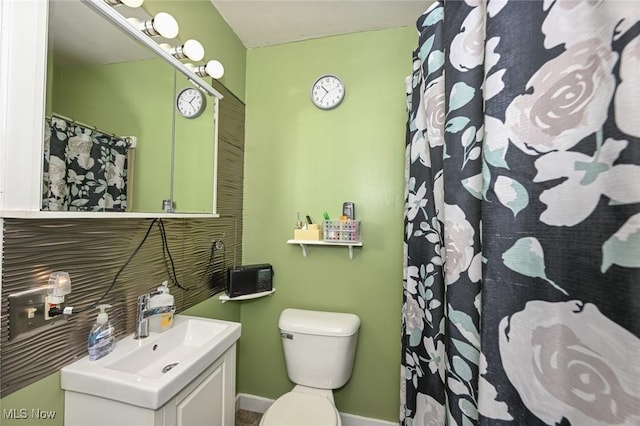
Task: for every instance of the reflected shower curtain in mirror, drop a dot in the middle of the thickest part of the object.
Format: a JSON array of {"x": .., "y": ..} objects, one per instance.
[
  {"x": 521, "y": 289},
  {"x": 83, "y": 169}
]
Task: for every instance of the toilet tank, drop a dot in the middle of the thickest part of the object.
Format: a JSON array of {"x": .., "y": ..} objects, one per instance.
[{"x": 319, "y": 347}]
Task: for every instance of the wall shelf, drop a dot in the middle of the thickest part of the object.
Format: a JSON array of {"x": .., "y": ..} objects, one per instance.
[
  {"x": 304, "y": 243},
  {"x": 225, "y": 298}
]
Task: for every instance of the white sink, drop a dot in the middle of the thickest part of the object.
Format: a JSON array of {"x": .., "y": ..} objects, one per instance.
[{"x": 148, "y": 372}]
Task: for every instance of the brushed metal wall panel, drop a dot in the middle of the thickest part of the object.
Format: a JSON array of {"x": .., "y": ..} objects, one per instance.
[
  {"x": 231, "y": 152},
  {"x": 93, "y": 251}
]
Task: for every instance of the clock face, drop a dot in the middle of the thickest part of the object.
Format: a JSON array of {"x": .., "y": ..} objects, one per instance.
[
  {"x": 190, "y": 102},
  {"x": 327, "y": 92}
]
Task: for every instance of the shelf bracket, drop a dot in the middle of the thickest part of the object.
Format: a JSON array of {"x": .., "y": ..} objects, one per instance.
[{"x": 304, "y": 249}]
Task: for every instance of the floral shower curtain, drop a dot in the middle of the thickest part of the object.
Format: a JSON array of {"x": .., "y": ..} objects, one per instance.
[
  {"x": 522, "y": 225},
  {"x": 84, "y": 169}
]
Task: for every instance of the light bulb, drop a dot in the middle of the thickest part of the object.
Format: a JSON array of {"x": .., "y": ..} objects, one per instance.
[
  {"x": 162, "y": 24},
  {"x": 165, "y": 25},
  {"x": 191, "y": 49},
  {"x": 212, "y": 69},
  {"x": 129, "y": 3}
]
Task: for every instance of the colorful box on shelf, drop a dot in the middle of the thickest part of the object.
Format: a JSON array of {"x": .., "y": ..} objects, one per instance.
[
  {"x": 341, "y": 230},
  {"x": 312, "y": 233}
]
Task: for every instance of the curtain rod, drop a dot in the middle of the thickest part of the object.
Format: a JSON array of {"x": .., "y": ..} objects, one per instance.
[{"x": 127, "y": 139}]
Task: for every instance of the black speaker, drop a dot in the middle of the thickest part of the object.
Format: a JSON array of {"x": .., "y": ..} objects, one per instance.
[{"x": 249, "y": 279}]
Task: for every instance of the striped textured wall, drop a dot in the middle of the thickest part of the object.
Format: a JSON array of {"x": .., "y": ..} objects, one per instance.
[{"x": 93, "y": 250}]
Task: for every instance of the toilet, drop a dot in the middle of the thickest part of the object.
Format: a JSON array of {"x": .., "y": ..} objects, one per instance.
[{"x": 319, "y": 349}]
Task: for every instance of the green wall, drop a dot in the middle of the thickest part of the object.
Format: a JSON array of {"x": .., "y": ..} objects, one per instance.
[
  {"x": 299, "y": 158},
  {"x": 137, "y": 99},
  {"x": 128, "y": 99},
  {"x": 44, "y": 395}
]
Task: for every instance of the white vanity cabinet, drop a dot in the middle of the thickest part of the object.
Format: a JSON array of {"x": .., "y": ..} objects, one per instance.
[{"x": 208, "y": 400}]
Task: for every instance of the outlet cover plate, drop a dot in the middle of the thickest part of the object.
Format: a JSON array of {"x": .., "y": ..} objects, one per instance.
[{"x": 20, "y": 306}]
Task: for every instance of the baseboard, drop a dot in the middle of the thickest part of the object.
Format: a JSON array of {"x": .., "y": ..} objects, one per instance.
[
  {"x": 354, "y": 420},
  {"x": 259, "y": 404},
  {"x": 254, "y": 403}
]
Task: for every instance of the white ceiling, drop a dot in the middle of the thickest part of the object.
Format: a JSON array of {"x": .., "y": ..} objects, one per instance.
[
  {"x": 261, "y": 23},
  {"x": 79, "y": 36}
]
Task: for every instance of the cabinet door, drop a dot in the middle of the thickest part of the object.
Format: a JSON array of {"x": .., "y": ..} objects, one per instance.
[
  {"x": 204, "y": 405},
  {"x": 81, "y": 410}
]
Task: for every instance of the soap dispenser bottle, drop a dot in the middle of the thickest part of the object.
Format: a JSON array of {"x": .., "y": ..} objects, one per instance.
[
  {"x": 102, "y": 337},
  {"x": 164, "y": 321}
]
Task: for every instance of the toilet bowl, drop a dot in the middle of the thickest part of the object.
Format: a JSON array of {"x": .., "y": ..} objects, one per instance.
[
  {"x": 319, "y": 349},
  {"x": 300, "y": 408}
]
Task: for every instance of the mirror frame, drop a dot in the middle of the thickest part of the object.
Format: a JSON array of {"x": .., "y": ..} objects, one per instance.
[{"x": 23, "y": 55}]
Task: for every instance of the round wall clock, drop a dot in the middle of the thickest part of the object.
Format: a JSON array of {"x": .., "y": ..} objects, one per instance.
[
  {"x": 190, "y": 102},
  {"x": 327, "y": 92}
]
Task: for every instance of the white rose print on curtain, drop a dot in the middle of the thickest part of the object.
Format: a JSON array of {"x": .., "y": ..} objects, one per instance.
[
  {"x": 568, "y": 360},
  {"x": 585, "y": 180},
  {"x": 570, "y": 100},
  {"x": 458, "y": 243}
]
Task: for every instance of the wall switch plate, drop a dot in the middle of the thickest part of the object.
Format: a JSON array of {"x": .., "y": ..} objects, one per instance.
[{"x": 27, "y": 312}]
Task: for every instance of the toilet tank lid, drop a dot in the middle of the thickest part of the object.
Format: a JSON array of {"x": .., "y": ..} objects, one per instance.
[{"x": 318, "y": 323}]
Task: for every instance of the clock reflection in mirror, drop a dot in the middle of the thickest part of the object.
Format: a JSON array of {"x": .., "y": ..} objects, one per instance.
[{"x": 190, "y": 102}]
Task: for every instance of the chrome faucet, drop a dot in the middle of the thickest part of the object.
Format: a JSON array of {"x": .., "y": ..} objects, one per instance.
[{"x": 143, "y": 312}]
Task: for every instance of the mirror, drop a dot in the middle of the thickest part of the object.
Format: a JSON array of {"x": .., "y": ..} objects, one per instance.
[{"x": 103, "y": 86}]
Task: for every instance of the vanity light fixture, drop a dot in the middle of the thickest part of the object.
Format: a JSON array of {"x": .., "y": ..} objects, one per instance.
[
  {"x": 162, "y": 24},
  {"x": 191, "y": 49},
  {"x": 212, "y": 69},
  {"x": 129, "y": 3}
]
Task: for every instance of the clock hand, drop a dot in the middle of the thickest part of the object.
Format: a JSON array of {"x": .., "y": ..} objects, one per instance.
[
  {"x": 329, "y": 91},
  {"x": 325, "y": 92}
]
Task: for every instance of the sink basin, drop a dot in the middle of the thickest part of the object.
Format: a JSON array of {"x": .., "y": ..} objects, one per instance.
[
  {"x": 171, "y": 348},
  {"x": 148, "y": 372}
]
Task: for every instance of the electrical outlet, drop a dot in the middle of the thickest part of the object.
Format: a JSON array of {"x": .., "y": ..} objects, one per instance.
[{"x": 47, "y": 307}]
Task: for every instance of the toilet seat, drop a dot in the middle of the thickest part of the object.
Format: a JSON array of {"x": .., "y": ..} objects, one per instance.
[{"x": 301, "y": 409}]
